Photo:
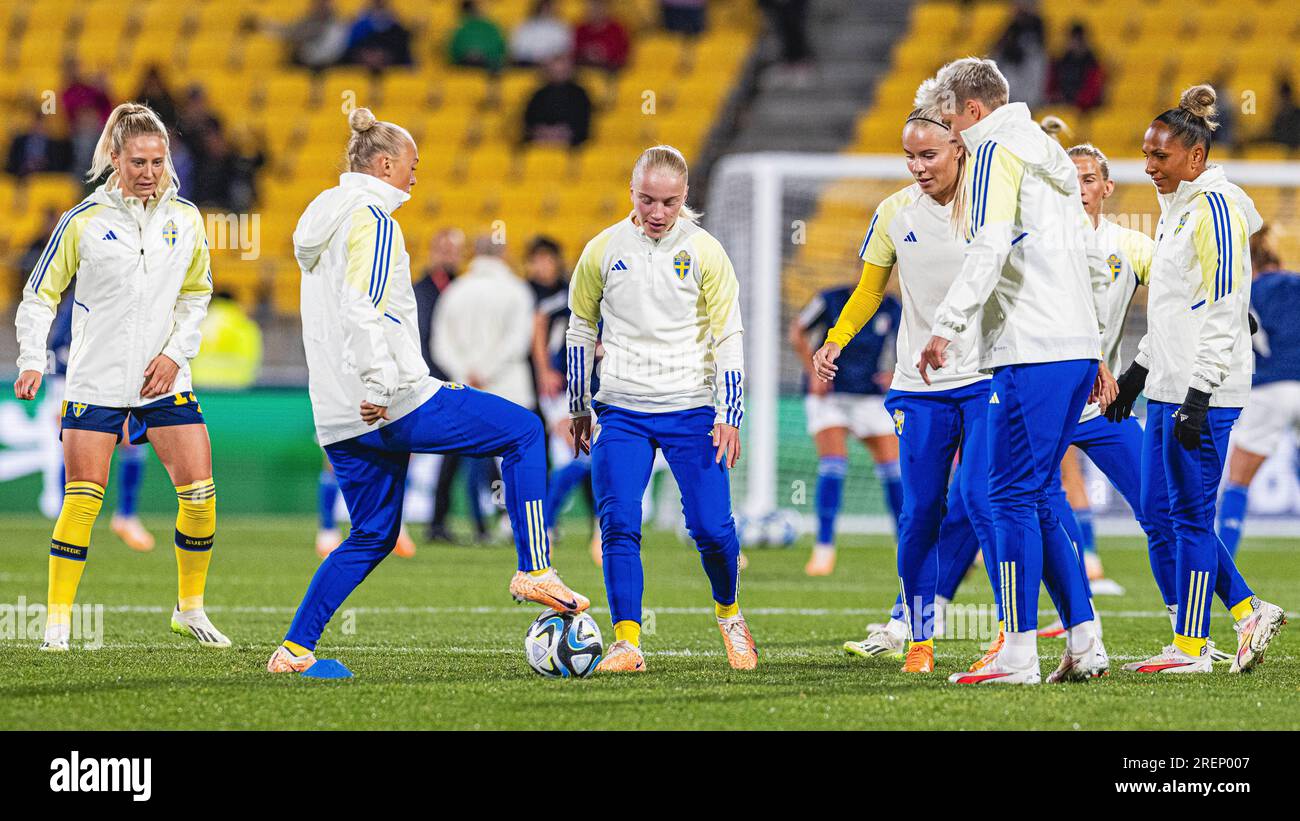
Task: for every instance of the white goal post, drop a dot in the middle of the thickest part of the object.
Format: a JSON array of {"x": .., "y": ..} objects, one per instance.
[{"x": 751, "y": 210}]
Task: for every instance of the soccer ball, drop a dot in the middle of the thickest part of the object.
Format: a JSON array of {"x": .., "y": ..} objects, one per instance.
[
  {"x": 560, "y": 645},
  {"x": 779, "y": 528}
]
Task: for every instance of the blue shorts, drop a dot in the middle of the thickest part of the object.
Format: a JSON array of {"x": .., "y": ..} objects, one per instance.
[{"x": 177, "y": 409}]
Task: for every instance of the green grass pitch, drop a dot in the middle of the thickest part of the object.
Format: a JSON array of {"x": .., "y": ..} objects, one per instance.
[{"x": 435, "y": 642}]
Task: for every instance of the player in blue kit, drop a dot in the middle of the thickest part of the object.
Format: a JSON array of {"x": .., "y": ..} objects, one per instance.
[
  {"x": 1194, "y": 365},
  {"x": 1034, "y": 281},
  {"x": 1275, "y": 388},
  {"x": 853, "y": 403}
]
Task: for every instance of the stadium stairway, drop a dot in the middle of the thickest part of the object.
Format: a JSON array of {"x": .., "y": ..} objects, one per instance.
[{"x": 851, "y": 50}]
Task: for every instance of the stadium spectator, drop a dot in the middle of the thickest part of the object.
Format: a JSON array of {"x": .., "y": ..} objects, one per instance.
[
  {"x": 1076, "y": 77},
  {"x": 1286, "y": 122},
  {"x": 446, "y": 252},
  {"x": 541, "y": 37},
  {"x": 1022, "y": 56},
  {"x": 81, "y": 141},
  {"x": 36, "y": 151},
  {"x": 559, "y": 112},
  {"x": 31, "y": 256},
  {"x": 1225, "y": 136},
  {"x": 600, "y": 40},
  {"x": 84, "y": 92},
  {"x": 477, "y": 41},
  {"x": 378, "y": 39},
  {"x": 684, "y": 16},
  {"x": 789, "y": 20},
  {"x": 195, "y": 121},
  {"x": 154, "y": 93},
  {"x": 544, "y": 268},
  {"x": 318, "y": 39},
  {"x": 225, "y": 177}
]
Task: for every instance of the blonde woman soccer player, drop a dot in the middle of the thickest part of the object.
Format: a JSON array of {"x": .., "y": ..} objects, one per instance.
[
  {"x": 1194, "y": 365},
  {"x": 140, "y": 256},
  {"x": 1034, "y": 280},
  {"x": 933, "y": 418},
  {"x": 373, "y": 400},
  {"x": 661, "y": 294}
]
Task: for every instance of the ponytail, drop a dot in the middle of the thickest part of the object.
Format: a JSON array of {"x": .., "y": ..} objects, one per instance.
[
  {"x": 1193, "y": 121},
  {"x": 1054, "y": 127},
  {"x": 129, "y": 120},
  {"x": 373, "y": 138}
]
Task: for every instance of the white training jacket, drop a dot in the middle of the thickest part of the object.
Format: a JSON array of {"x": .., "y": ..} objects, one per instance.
[
  {"x": 143, "y": 285},
  {"x": 483, "y": 328},
  {"x": 1033, "y": 275},
  {"x": 668, "y": 314},
  {"x": 358, "y": 308},
  {"x": 1198, "y": 334}
]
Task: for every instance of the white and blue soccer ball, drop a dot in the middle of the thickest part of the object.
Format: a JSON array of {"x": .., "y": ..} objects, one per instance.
[
  {"x": 563, "y": 645},
  {"x": 779, "y": 528}
]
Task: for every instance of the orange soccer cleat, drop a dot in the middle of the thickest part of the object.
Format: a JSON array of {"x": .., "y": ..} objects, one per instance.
[
  {"x": 920, "y": 659},
  {"x": 132, "y": 532},
  {"x": 547, "y": 589},
  {"x": 623, "y": 657},
  {"x": 283, "y": 661},
  {"x": 742, "y": 653},
  {"x": 989, "y": 655}
]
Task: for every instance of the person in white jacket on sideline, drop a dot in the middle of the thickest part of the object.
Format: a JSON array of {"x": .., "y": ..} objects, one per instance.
[
  {"x": 140, "y": 257},
  {"x": 483, "y": 327},
  {"x": 372, "y": 397}
]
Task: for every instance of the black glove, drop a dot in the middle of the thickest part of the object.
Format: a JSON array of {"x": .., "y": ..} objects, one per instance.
[
  {"x": 1190, "y": 419},
  {"x": 1130, "y": 387}
]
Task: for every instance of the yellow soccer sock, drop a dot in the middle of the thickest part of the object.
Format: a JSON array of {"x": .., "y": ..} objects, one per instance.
[
  {"x": 539, "y": 573},
  {"x": 629, "y": 631},
  {"x": 1189, "y": 645},
  {"x": 1242, "y": 609},
  {"x": 727, "y": 611},
  {"x": 927, "y": 643},
  {"x": 196, "y": 524},
  {"x": 69, "y": 546},
  {"x": 296, "y": 649}
]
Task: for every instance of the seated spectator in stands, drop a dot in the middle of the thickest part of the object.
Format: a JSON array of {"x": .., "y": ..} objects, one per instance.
[
  {"x": 182, "y": 162},
  {"x": 377, "y": 39},
  {"x": 477, "y": 41},
  {"x": 559, "y": 112},
  {"x": 1286, "y": 121},
  {"x": 683, "y": 16},
  {"x": 86, "y": 129},
  {"x": 225, "y": 176},
  {"x": 541, "y": 37},
  {"x": 36, "y": 151},
  {"x": 1076, "y": 76},
  {"x": 600, "y": 40},
  {"x": 84, "y": 92},
  {"x": 1022, "y": 56},
  {"x": 1225, "y": 136},
  {"x": 153, "y": 92},
  {"x": 195, "y": 121},
  {"x": 790, "y": 22},
  {"x": 318, "y": 39}
]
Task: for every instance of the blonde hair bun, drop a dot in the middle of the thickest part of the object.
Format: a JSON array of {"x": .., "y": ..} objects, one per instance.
[
  {"x": 361, "y": 120},
  {"x": 1199, "y": 101}
]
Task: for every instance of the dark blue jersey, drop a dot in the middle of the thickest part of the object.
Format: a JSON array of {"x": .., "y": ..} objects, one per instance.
[
  {"x": 60, "y": 341},
  {"x": 555, "y": 308},
  {"x": 1275, "y": 301},
  {"x": 870, "y": 352}
]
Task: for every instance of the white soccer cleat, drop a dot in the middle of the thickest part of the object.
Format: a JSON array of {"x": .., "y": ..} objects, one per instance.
[
  {"x": 998, "y": 671},
  {"x": 1091, "y": 663},
  {"x": 1254, "y": 632},
  {"x": 56, "y": 638},
  {"x": 1173, "y": 660},
  {"x": 880, "y": 642},
  {"x": 1218, "y": 656},
  {"x": 196, "y": 625},
  {"x": 1055, "y": 630}
]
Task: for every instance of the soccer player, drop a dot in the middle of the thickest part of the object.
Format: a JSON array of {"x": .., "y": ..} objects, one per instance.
[
  {"x": 373, "y": 399},
  {"x": 1194, "y": 365},
  {"x": 327, "y": 531},
  {"x": 1034, "y": 283},
  {"x": 1275, "y": 388},
  {"x": 934, "y": 415},
  {"x": 140, "y": 256},
  {"x": 853, "y": 402},
  {"x": 663, "y": 297}
]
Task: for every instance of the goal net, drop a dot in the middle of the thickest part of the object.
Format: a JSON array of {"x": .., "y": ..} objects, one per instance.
[{"x": 792, "y": 224}]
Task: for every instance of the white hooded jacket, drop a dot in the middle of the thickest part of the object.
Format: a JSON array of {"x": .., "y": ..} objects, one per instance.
[
  {"x": 1198, "y": 334},
  {"x": 358, "y": 308},
  {"x": 1033, "y": 274},
  {"x": 143, "y": 286}
]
